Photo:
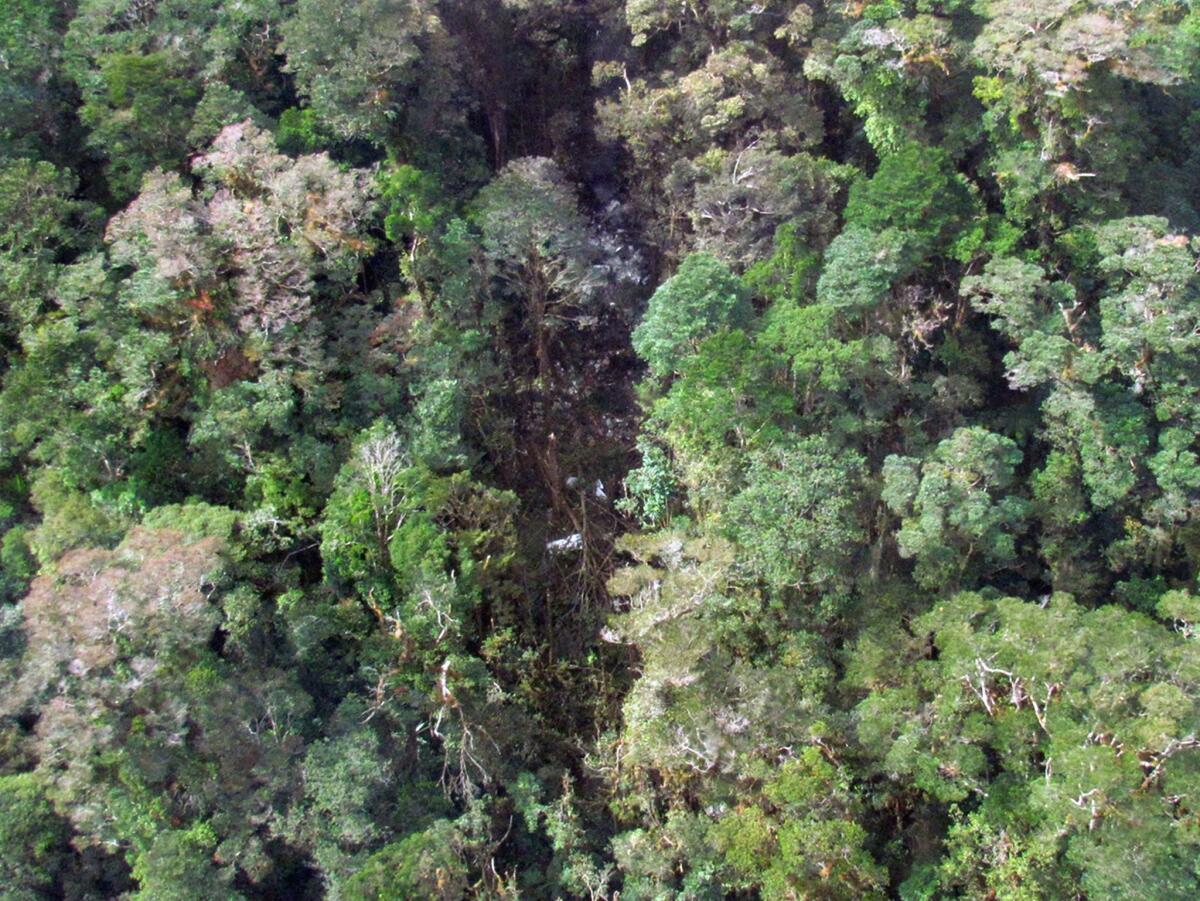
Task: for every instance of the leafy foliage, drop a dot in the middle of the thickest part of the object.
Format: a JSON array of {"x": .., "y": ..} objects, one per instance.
[
  {"x": 702, "y": 297},
  {"x": 513, "y": 448}
]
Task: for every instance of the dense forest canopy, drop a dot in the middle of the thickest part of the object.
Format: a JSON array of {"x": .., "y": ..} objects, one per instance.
[{"x": 600, "y": 449}]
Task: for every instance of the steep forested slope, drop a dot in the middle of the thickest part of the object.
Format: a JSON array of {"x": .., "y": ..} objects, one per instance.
[{"x": 607, "y": 449}]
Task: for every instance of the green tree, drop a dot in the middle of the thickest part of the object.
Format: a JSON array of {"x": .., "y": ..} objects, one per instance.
[
  {"x": 959, "y": 518},
  {"x": 801, "y": 840},
  {"x": 917, "y": 192},
  {"x": 384, "y": 71},
  {"x": 861, "y": 268},
  {"x": 899, "y": 65},
  {"x": 35, "y": 102},
  {"x": 717, "y": 664},
  {"x": 43, "y": 226},
  {"x": 33, "y": 839},
  {"x": 741, "y": 198},
  {"x": 702, "y": 297},
  {"x": 797, "y": 517},
  {"x": 158, "y": 80},
  {"x": 542, "y": 252},
  {"x": 422, "y": 865},
  {"x": 143, "y": 725},
  {"x": 1058, "y": 88},
  {"x": 344, "y": 811},
  {"x": 724, "y": 402},
  {"x": 721, "y": 84},
  {"x": 650, "y": 487},
  {"x": 178, "y": 867},
  {"x": 1022, "y": 716}
]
